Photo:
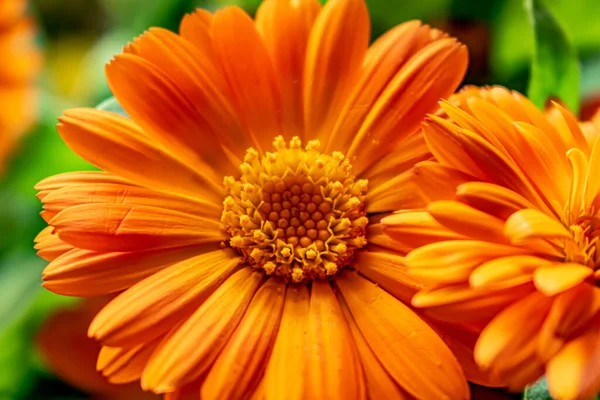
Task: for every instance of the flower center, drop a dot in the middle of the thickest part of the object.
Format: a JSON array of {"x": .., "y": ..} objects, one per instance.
[
  {"x": 296, "y": 213},
  {"x": 586, "y": 235}
]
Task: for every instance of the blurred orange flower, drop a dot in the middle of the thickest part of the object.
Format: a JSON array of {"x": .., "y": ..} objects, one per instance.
[
  {"x": 72, "y": 356},
  {"x": 240, "y": 202},
  {"x": 21, "y": 62},
  {"x": 510, "y": 236}
]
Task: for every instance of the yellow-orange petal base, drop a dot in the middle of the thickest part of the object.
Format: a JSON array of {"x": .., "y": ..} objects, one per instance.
[
  {"x": 18, "y": 72},
  {"x": 237, "y": 210},
  {"x": 509, "y": 236}
]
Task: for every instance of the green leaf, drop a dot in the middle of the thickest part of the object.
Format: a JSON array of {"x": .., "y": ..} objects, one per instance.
[
  {"x": 111, "y": 104},
  {"x": 537, "y": 391},
  {"x": 554, "y": 65},
  {"x": 20, "y": 282}
]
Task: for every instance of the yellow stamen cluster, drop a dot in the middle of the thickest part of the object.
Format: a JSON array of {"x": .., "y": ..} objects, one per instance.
[
  {"x": 586, "y": 243},
  {"x": 296, "y": 213}
]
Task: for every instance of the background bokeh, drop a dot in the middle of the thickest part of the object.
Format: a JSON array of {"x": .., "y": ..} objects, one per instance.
[{"x": 77, "y": 37}]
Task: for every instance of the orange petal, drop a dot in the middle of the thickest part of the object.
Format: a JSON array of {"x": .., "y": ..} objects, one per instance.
[
  {"x": 491, "y": 199},
  {"x": 389, "y": 272},
  {"x": 379, "y": 384},
  {"x": 165, "y": 114},
  {"x": 156, "y": 304},
  {"x": 126, "y": 227},
  {"x": 573, "y": 309},
  {"x": 131, "y": 155},
  {"x": 249, "y": 72},
  {"x": 467, "y": 221},
  {"x": 454, "y": 261},
  {"x": 377, "y": 237},
  {"x": 198, "y": 78},
  {"x": 108, "y": 193},
  {"x": 461, "y": 302},
  {"x": 285, "y": 27},
  {"x": 288, "y": 357},
  {"x": 55, "y": 182},
  {"x": 241, "y": 363},
  {"x": 89, "y": 273},
  {"x": 557, "y": 278},
  {"x": 437, "y": 181},
  {"x": 514, "y": 327},
  {"x": 573, "y": 373},
  {"x": 191, "y": 348},
  {"x": 123, "y": 365},
  {"x": 414, "y": 229},
  {"x": 49, "y": 246},
  {"x": 196, "y": 28},
  {"x": 507, "y": 271},
  {"x": 592, "y": 185},
  {"x": 434, "y": 72},
  {"x": 398, "y": 193},
  {"x": 336, "y": 49},
  {"x": 384, "y": 58},
  {"x": 333, "y": 369},
  {"x": 410, "y": 351},
  {"x": 531, "y": 223}
]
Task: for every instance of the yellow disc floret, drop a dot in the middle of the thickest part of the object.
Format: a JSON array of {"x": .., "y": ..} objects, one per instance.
[{"x": 296, "y": 213}]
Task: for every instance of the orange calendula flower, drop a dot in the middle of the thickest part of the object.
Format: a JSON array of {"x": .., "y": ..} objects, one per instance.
[
  {"x": 510, "y": 236},
  {"x": 239, "y": 204},
  {"x": 21, "y": 61},
  {"x": 71, "y": 354}
]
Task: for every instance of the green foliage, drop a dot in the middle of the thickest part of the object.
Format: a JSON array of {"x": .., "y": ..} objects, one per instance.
[
  {"x": 537, "y": 391},
  {"x": 554, "y": 65}
]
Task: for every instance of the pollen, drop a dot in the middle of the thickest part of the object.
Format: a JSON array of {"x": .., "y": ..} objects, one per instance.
[
  {"x": 296, "y": 213},
  {"x": 585, "y": 246}
]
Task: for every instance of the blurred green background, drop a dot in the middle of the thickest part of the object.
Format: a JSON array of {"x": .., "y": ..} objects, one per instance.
[{"x": 78, "y": 37}]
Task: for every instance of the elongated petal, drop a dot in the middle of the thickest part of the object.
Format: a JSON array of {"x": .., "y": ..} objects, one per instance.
[
  {"x": 379, "y": 383},
  {"x": 413, "y": 229},
  {"x": 437, "y": 181},
  {"x": 336, "y": 49},
  {"x": 202, "y": 83},
  {"x": 461, "y": 302},
  {"x": 165, "y": 113},
  {"x": 383, "y": 60},
  {"x": 192, "y": 347},
  {"x": 49, "y": 246},
  {"x": 500, "y": 337},
  {"x": 332, "y": 367},
  {"x": 107, "y": 193},
  {"x": 151, "y": 307},
  {"x": 252, "y": 82},
  {"x": 239, "y": 367},
  {"x": 412, "y": 353},
  {"x": 123, "y": 365},
  {"x": 126, "y": 152},
  {"x": 389, "y": 272},
  {"x": 507, "y": 271},
  {"x": 454, "y": 261},
  {"x": 492, "y": 199},
  {"x": 531, "y": 223},
  {"x": 196, "y": 28},
  {"x": 467, "y": 221},
  {"x": 395, "y": 115},
  {"x": 55, "y": 182},
  {"x": 123, "y": 227},
  {"x": 573, "y": 372},
  {"x": 398, "y": 193},
  {"x": 285, "y": 27},
  {"x": 288, "y": 357},
  {"x": 85, "y": 273},
  {"x": 553, "y": 279}
]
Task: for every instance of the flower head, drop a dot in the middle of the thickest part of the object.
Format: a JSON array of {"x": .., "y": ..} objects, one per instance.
[
  {"x": 510, "y": 236},
  {"x": 21, "y": 63},
  {"x": 238, "y": 207}
]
